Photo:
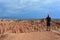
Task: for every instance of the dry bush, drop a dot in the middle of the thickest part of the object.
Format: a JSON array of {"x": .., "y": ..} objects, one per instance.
[{"x": 25, "y": 26}]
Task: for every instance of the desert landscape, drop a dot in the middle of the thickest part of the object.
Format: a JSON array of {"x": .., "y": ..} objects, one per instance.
[{"x": 28, "y": 30}]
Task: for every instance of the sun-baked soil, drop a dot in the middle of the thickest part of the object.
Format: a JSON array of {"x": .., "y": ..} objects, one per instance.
[{"x": 28, "y": 30}]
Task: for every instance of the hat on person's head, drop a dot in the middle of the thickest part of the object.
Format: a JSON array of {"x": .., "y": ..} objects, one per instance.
[{"x": 49, "y": 14}]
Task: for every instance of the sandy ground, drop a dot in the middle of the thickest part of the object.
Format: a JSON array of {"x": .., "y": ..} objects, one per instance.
[
  {"x": 32, "y": 36},
  {"x": 28, "y": 30}
]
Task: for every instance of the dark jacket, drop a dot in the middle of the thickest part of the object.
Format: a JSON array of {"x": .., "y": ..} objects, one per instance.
[{"x": 48, "y": 21}]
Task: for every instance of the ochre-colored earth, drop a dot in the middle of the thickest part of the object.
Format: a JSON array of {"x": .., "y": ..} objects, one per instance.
[
  {"x": 31, "y": 36},
  {"x": 28, "y": 30}
]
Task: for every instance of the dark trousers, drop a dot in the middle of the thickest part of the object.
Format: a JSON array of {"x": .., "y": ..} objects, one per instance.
[{"x": 48, "y": 26}]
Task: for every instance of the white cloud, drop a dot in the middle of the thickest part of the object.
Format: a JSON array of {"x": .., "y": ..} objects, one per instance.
[
  {"x": 24, "y": 3},
  {"x": 13, "y": 5},
  {"x": 50, "y": 1}
]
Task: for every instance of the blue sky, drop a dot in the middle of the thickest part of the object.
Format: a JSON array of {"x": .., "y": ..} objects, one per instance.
[{"x": 29, "y": 9}]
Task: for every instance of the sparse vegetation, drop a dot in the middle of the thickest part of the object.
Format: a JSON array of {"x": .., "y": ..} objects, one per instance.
[{"x": 22, "y": 26}]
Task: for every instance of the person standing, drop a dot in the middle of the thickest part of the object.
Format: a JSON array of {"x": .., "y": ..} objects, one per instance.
[{"x": 48, "y": 23}]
